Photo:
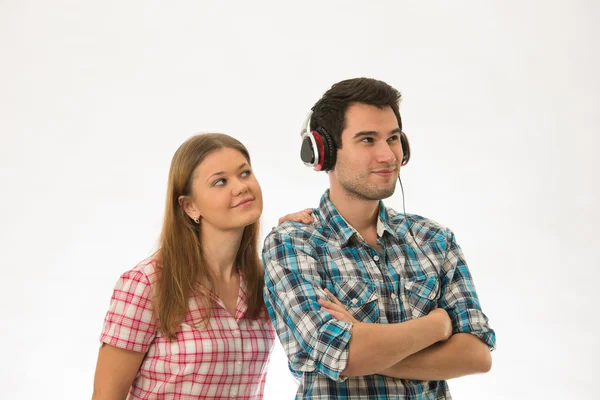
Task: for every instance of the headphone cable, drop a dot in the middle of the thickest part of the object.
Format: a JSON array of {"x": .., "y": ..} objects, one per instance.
[{"x": 439, "y": 291}]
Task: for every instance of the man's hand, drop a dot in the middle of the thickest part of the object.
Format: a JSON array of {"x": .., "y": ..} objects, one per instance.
[{"x": 336, "y": 308}]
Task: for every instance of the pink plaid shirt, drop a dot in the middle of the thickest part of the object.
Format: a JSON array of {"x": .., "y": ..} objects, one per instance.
[{"x": 226, "y": 360}]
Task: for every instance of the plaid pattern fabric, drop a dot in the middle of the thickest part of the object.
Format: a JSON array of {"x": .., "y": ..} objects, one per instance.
[
  {"x": 226, "y": 359},
  {"x": 398, "y": 285}
]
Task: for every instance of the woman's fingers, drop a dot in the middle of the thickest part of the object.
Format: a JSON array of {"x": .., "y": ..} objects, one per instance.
[{"x": 303, "y": 216}]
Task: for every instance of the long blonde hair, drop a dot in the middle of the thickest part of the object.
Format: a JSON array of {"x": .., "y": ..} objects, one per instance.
[{"x": 180, "y": 256}]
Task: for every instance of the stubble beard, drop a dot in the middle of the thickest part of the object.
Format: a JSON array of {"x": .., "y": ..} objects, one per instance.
[{"x": 360, "y": 188}]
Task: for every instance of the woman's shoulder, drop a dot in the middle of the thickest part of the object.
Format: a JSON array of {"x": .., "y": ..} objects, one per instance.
[{"x": 146, "y": 270}]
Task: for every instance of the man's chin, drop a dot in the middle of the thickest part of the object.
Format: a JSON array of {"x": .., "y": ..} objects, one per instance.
[
  {"x": 384, "y": 196},
  {"x": 380, "y": 193},
  {"x": 374, "y": 194}
]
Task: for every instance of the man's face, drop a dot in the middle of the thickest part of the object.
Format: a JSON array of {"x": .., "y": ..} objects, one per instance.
[{"x": 369, "y": 161}]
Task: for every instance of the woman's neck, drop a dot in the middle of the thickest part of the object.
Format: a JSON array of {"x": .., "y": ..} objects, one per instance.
[{"x": 220, "y": 249}]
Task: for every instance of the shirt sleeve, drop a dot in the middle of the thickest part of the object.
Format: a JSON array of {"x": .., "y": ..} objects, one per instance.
[
  {"x": 460, "y": 298},
  {"x": 129, "y": 322},
  {"x": 312, "y": 339}
]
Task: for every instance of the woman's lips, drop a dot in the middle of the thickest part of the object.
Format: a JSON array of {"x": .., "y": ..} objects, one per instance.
[{"x": 244, "y": 203}]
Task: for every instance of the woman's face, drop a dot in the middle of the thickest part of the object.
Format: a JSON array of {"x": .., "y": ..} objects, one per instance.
[{"x": 225, "y": 192}]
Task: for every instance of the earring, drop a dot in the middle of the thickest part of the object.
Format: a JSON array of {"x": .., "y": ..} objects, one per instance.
[{"x": 197, "y": 220}]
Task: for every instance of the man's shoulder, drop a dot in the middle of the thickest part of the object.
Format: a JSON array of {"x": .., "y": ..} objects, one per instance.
[
  {"x": 298, "y": 230},
  {"x": 422, "y": 227},
  {"x": 300, "y": 235}
]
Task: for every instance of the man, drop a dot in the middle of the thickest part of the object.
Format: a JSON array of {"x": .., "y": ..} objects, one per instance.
[{"x": 369, "y": 303}]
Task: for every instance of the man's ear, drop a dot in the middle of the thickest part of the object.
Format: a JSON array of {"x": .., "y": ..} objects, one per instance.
[{"x": 188, "y": 206}]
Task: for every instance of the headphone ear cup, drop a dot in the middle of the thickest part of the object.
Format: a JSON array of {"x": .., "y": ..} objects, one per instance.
[
  {"x": 329, "y": 150},
  {"x": 405, "y": 148},
  {"x": 307, "y": 152}
]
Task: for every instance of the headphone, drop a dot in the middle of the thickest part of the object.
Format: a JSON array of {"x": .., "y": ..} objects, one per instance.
[{"x": 318, "y": 149}]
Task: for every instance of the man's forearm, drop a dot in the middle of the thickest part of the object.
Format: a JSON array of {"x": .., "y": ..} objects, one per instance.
[
  {"x": 462, "y": 354},
  {"x": 376, "y": 347}
]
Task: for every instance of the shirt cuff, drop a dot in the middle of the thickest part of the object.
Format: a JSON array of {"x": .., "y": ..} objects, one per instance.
[
  {"x": 332, "y": 344},
  {"x": 475, "y": 322}
]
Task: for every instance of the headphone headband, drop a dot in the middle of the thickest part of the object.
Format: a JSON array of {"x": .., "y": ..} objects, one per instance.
[{"x": 306, "y": 124}]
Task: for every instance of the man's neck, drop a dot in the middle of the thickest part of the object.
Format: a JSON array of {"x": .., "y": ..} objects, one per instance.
[{"x": 361, "y": 214}]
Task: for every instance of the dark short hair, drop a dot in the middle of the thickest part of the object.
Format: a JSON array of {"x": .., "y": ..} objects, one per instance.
[{"x": 329, "y": 113}]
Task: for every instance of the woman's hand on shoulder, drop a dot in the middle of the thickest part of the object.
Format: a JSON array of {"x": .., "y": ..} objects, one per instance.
[{"x": 303, "y": 216}]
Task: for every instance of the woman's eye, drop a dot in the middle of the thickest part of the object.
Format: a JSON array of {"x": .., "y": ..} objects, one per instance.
[
  {"x": 246, "y": 173},
  {"x": 219, "y": 182}
]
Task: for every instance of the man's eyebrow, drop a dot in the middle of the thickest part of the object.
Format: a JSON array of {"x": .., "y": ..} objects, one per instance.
[
  {"x": 375, "y": 133},
  {"x": 365, "y": 133}
]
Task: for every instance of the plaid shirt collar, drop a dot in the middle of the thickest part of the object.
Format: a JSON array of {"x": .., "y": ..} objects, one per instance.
[{"x": 344, "y": 231}]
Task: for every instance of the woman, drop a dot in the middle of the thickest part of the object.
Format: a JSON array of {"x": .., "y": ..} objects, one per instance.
[{"x": 189, "y": 322}]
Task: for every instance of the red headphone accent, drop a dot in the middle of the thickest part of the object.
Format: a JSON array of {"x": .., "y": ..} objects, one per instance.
[{"x": 319, "y": 141}]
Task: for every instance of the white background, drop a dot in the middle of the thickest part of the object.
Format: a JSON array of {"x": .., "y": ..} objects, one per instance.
[{"x": 500, "y": 104}]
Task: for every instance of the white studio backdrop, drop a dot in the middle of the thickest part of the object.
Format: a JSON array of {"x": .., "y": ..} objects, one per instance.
[{"x": 500, "y": 103}]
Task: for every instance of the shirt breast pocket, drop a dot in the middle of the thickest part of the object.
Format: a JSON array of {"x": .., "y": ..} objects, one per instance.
[
  {"x": 419, "y": 296},
  {"x": 360, "y": 297}
]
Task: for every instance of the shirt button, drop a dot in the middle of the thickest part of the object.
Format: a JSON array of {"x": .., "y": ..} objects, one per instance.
[
  {"x": 236, "y": 333},
  {"x": 233, "y": 392},
  {"x": 354, "y": 301},
  {"x": 376, "y": 258},
  {"x": 394, "y": 296},
  {"x": 239, "y": 362}
]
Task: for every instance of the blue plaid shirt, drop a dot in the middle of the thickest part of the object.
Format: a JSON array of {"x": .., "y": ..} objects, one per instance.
[{"x": 398, "y": 285}]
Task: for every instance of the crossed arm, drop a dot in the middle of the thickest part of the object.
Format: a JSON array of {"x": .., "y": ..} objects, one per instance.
[
  {"x": 422, "y": 348},
  {"x": 462, "y": 354}
]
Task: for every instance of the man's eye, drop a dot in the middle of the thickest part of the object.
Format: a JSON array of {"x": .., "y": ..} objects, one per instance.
[
  {"x": 393, "y": 138},
  {"x": 367, "y": 140}
]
